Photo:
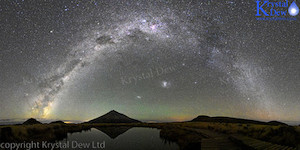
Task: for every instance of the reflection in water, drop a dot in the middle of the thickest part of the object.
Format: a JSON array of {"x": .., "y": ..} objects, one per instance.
[
  {"x": 113, "y": 132},
  {"x": 121, "y": 139}
]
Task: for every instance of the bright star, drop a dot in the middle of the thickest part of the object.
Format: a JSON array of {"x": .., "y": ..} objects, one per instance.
[
  {"x": 153, "y": 27},
  {"x": 165, "y": 84}
]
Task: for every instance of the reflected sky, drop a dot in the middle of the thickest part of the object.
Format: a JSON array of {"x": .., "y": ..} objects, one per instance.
[{"x": 135, "y": 138}]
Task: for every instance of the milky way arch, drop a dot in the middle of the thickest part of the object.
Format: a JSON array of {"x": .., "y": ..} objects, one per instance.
[{"x": 207, "y": 38}]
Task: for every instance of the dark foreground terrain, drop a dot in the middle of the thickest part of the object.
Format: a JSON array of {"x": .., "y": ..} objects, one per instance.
[{"x": 188, "y": 135}]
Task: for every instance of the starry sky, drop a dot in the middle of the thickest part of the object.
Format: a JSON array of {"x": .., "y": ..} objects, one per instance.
[{"x": 157, "y": 60}]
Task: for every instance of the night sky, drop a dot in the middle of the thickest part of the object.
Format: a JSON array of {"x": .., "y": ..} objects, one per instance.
[{"x": 151, "y": 60}]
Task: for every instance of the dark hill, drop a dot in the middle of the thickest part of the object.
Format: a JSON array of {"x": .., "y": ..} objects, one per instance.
[
  {"x": 31, "y": 121},
  {"x": 57, "y": 122},
  {"x": 233, "y": 120},
  {"x": 276, "y": 123},
  {"x": 114, "y": 117}
]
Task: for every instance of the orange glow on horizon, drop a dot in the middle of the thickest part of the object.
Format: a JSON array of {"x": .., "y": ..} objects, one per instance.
[{"x": 181, "y": 118}]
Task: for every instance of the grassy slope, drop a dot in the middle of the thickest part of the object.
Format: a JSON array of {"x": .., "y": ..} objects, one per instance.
[{"x": 283, "y": 135}]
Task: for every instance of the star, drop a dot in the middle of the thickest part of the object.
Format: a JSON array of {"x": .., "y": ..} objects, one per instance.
[
  {"x": 165, "y": 84},
  {"x": 153, "y": 27},
  {"x": 144, "y": 21}
]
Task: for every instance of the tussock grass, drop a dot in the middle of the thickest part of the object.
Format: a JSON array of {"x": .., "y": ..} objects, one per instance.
[
  {"x": 281, "y": 134},
  {"x": 39, "y": 132}
]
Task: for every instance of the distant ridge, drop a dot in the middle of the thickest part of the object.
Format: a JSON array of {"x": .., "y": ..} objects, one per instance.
[
  {"x": 114, "y": 117},
  {"x": 31, "y": 121},
  {"x": 276, "y": 123},
  {"x": 202, "y": 118},
  {"x": 57, "y": 122}
]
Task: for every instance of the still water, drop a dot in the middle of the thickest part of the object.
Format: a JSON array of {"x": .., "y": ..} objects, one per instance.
[{"x": 121, "y": 138}]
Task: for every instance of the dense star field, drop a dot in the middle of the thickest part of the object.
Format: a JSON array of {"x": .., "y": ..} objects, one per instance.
[{"x": 155, "y": 60}]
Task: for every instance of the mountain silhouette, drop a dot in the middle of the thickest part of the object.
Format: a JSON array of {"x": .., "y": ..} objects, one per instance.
[
  {"x": 31, "y": 121},
  {"x": 114, "y": 117},
  {"x": 57, "y": 122},
  {"x": 233, "y": 120}
]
